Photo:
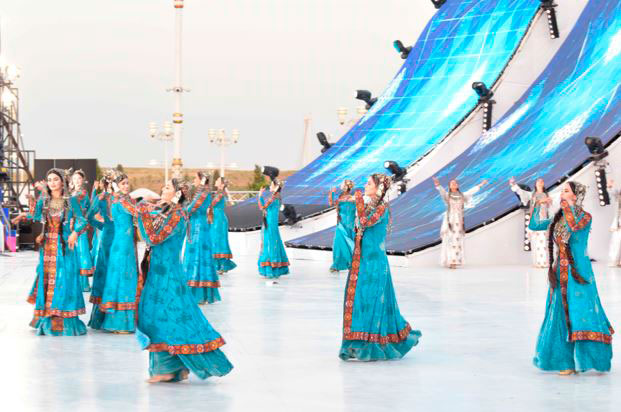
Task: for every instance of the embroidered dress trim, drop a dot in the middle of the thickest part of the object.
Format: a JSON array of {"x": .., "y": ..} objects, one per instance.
[
  {"x": 201, "y": 284},
  {"x": 95, "y": 300},
  {"x": 159, "y": 237},
  {"x": 223, "y": 256},
  {"x": 117, "y": 306},
  {"x": 592, "y": 336},
  {"x": 188, "y": 349},
  {"x": 269, "y": 202},
  {"x": 59, "y": 313},
  {"x": 199, "y": 202},
  {"x": 275, "y": 264}
]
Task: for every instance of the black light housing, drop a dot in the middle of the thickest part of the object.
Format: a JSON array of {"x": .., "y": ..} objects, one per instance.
[
  {"x": 485, "y": 100},
  {"x": 323, "y": 140},
  {"x": 596, "y": 148},
  {"x": 405, "y": 51},
  {"x": 550, "y": 9},
  {"x": 271, "y": 172},
  {"x": 366, "y": 97},
  {"x": 291, "y": 216},
  {"x": 438, "y": 3},
  {"x": 482, "y": 91},
  {"x": 397, "y": 171}
]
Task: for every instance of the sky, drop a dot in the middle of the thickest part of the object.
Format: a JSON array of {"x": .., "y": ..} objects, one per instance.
[{"x": 94, "y": 73}]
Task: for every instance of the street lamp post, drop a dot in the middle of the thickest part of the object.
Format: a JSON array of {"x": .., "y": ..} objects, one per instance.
[
  {"x": 177, "y": 89},
  {"x": 165, "y": 135},
  {"x": 220, "y": 138}
]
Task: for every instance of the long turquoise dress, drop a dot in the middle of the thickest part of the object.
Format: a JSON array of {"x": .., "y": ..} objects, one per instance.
[
  {"x": 273, "y": 261},
  {"x": 83, "y": 249},
  {"x": 220, "y": 234},
  {"x": 343, "y": 246},
  {"x": 56, "y": 292},
  {"x": 100, "y": 205},
  {"x": 198, "y": 262},
  {"x": 171, "y": 325},
  {"x": 373, "y": 328},
  {"x": 119, "y": 300},
  {"x": 575, "y": 334}
]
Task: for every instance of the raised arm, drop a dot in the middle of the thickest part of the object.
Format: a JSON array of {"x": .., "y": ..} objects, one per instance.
[
  {"x": 524, "y": 195},
  {"x": 575, "y": 221},
  {"x": 154, "y": 236}
]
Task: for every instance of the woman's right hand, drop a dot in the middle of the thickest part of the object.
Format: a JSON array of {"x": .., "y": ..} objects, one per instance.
[
  {"x": 435, "y": 181},
  {"x": 512, "y": 181},
  {"x": 18, "y": 218},
  {"x": 39, "y": 239}
]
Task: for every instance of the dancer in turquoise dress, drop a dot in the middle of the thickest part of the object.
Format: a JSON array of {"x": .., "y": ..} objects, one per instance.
[
  {"x": 99, "y": 217},
  {"x": 198, "y": 262},
  {"x": 343, "y": 246},
  {"x": 273, "y": 261},
  {"x": 119, "y": 300},
  {"x": 56, "y": 292},
  {"x": 171, "y": 325},
  {"x": 220, "y": 229},
  {"x": 576, "y": 334},
  {"x": 373, "y": 328},
  {"x": 83, "y": 249}
]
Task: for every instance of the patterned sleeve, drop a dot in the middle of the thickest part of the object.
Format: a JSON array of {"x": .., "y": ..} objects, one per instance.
[
  {"x": 38, "y": 210},
  {"x": 147, "y": 229},
  {"x": 80, "y": 221},
  {"x": 373, "y": 218},
  {"x": 575, "y": 223},
  {"x": 196, "y": 203}
]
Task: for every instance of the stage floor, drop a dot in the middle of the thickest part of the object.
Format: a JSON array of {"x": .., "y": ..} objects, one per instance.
[{"x": 479, "y": 326}]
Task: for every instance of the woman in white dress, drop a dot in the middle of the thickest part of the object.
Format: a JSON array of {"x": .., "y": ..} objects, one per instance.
[
  {"x": 453, "y": 230},
  {"x": 538, "y": 203}
]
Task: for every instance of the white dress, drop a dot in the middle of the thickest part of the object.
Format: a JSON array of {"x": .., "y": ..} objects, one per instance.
[
  {"x": 452, "y": 231},
  {"x": 615, "y": 228},
  {"x": 538, "y": 238}
]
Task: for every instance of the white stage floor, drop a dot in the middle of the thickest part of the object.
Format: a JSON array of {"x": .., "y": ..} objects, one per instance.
[{"x": 479, "y": 326}]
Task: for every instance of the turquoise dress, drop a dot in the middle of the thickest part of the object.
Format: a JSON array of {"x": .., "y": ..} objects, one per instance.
[
  {"x": 119, "y": 298},
  {"x": 575, "y": 334},
  {"x": 198, "y": 262},
  {"x": 100, "y": 204},
  {"x": 56, "y": 292},
  {"x": 373, "y": 328},
  {"x": 83, "y": 251},
  {"x": 343, "y": 246},
  {"x": 273, "y": 261},
  {"x": 220, "y": 235},
  {"x": 171, "y": 325}
]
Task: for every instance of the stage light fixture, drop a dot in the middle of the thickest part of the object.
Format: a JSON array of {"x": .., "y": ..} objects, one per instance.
[
  {"x": 486, "y": 101},
  {"x": 550, "y": 9},
  {"x": 366, "y": 97},
  {"x": 405, "y": 51},
  {"x": 271, "y": 172},
  {"x": 291, "y": 216},
  {"x": 438, "y": 3},
  {"x": 323, "y": 140},
  {"x": 398, "y": 173},
  {"x": 596, "y": 148},
  {"x": 602, "y": 186}
]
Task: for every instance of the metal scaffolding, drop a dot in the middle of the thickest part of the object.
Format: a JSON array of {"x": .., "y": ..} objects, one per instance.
[{"x": 16, "y": 173}]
